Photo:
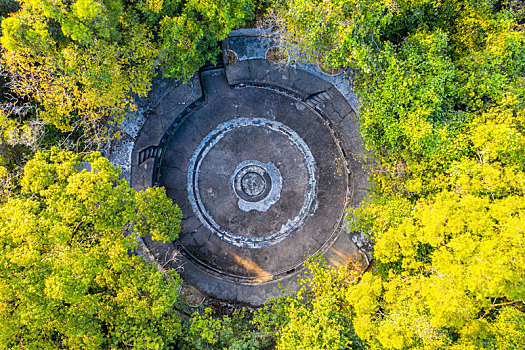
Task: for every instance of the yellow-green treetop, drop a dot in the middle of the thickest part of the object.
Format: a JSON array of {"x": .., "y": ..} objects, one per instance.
[
  {"x": 67, "y": 275},
  {"x": 442, "y": 91},
  {"x": 82, "y": 60}
]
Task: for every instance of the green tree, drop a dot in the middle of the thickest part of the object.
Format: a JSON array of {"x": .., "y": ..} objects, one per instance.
[
  {"x": 234, "y": 331},
  {"x": 442, "y": 90},
  {"x": 82, "y": 60},
  {"x": 456, "y": 264},
  {"x": 318, "y": 316},
  {"x": 67, "y": 275}
]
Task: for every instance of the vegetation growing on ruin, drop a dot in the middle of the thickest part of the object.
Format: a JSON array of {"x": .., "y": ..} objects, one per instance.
[{"x": 83, "y": 61}]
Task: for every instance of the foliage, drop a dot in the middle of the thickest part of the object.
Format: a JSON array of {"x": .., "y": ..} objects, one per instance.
[
  {"x": 67, "y": 278},
  {"x": 232, "y": 332},
  {"x": 442, "y": 87},
  {"x": 442, "y": 90},
  {"x": 23, "y": 132},
  {"x": 82, "y": 60},
  {"x": 420, "y": 311},
  {"x": 20, "y": 134},
  {"x": 316, "y": 27},
  {"x": 7, "y": 7},
  {"x": 471, "y": 268},
  {"x": 318, "y": 316}
]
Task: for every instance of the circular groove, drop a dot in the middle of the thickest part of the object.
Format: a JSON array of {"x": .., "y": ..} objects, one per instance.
[{"x": 202, "y": 213}]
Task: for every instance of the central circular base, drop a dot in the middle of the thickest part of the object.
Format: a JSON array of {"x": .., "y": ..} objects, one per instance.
[
  {"x": 204, "y": 181},
  {"x": 252, "y": 184}
]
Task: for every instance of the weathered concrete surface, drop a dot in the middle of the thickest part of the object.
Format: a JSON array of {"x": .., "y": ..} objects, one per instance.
[
  {"x": 119, "y": 149},
  {"x": 184, "y": 120},
  {"x": 258, "y": 143}
]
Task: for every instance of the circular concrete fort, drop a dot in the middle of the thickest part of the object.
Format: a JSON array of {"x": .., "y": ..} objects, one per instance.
[{"x": 263, "y": 159}]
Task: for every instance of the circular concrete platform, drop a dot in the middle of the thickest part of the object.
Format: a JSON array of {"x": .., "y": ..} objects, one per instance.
[
  {"x": 263, "y": 161},
  {"x": 296, "y": 209}
]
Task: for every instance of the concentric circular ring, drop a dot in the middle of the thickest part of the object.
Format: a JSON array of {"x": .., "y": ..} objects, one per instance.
[
  {"x": 252, "y": 183},
  {"x": 215, "y": 137}
]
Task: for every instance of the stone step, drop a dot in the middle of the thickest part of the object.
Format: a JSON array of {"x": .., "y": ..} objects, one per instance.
[{"x": 210, "y": 66}]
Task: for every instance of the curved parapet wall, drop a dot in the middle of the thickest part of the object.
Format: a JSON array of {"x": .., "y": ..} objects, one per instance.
[{"x": 263, "y": 160}]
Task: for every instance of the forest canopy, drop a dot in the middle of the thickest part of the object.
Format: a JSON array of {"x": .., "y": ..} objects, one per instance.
[
  {"x": 83, "y": 61},
  {"x": 442, "y": 92},
  {"x": 66, "y": 277},
  {"x": 441, "y": 86}
]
